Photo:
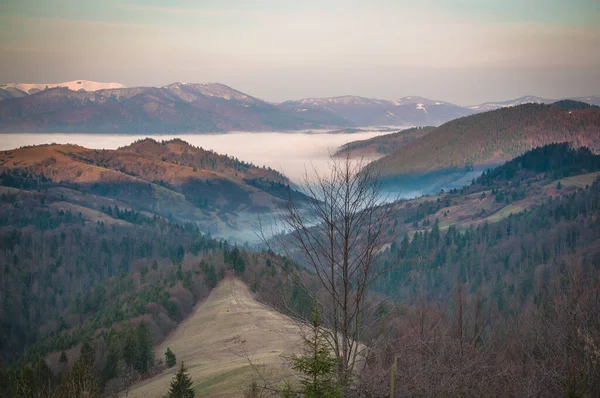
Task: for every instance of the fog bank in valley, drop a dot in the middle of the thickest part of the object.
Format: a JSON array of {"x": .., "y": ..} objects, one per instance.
[{"x": 290, "y": 153}]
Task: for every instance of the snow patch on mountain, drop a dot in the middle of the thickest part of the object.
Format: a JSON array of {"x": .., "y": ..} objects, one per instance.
[
  {"x": 75, "y": 85},
  {"x": 528, "y": 99}
]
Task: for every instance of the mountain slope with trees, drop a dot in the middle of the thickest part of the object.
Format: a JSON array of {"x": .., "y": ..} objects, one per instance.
[
  {"x": 493, "y": 137},
  {"x": 170, "y": 179},
  {"x": 384, "y": 144},
  {"x": 225, "y": 330},
  {"x": 504, "y": 299},
  {"x": 87, "y": 295}
]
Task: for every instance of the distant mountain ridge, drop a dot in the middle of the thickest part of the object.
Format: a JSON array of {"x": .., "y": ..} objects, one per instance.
[
  {"x": 75, "y": 85},
  {"x": 529, "y": 99},
  {"x": 92, "y": 107},
  {"x": 361, "y": 111},
  {"x": 175, "y": 108}
]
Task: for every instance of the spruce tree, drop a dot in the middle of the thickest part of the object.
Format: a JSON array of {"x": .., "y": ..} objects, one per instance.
[
  {"x": 145, "y": 356},
  {"x": 81, "y": 382},
  {"x": 130, "y": 348},
  {"x": 170, "y": 358},
  {"x": 63, "y": 358},
  {"x": 87, "y": 353},
  {"x": 317, "y": 367},
  {"x": 210, "y": 278},
  {"x": 181, "y": 385},
  {"x": 111, "y": 369}
]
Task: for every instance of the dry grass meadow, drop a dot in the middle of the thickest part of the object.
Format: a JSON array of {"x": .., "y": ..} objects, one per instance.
[{"x": 223, "y": 343}]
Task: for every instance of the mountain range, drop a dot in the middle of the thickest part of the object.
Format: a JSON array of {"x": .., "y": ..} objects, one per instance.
[
  {"x": 91, "y": 107},
  {"x": 11, "y": 90}
]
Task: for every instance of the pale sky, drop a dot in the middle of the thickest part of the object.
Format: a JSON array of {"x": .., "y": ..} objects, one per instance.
[{"x": 461, "y": 51}]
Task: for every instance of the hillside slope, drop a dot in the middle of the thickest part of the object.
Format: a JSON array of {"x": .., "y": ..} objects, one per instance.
[
  {"x": 170, "y": 179},
  {"x": 383, "y": 144},
  {"x": 209, "y": 342},
  {"x": 493, "y": 137}
]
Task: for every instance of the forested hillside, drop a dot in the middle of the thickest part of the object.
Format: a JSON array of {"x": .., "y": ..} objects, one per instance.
[
  {"x": 90, "y": 292},
  {"x": 170, "y": 179},
  {"x": 493, "y": 137},
  {"x": 489, "y": 290},
  {"x": 509, "y": 260},
  {"x": 384, "y": 144},
  {"x": 497, "y": 283}
]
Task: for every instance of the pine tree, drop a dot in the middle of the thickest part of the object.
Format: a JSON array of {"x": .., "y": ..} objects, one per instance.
[
  {"x": 181, "y": 385},
  {"x": 145, "y": 355},
  {"x": 63, "y": 358},
  {"x": 112, "y": 359},
  {"x": 130, "y": 348},
  {"x": 316, "y": 366},
  {"x": 210, "y": 278},
  {"x": 81, "y": 382},
  {"x": 87, "y": 353},
  {"x": 170, "y": 358},
  {"x": 236, "y": 261}
]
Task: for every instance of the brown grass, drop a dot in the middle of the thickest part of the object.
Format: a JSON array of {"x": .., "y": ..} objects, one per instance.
[
  {"x": 216, "y": 339},
  {"x": 88, "y": 214}
]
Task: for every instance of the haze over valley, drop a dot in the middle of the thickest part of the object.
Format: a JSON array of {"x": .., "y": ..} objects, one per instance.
[{"x": 291, "y": 154}]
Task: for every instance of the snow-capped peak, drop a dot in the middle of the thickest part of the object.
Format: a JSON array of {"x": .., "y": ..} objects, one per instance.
[
  {"x": 527, "y": 99},
  {"x": 416, "y": 100},
  {"x": 74, "y": 85}
]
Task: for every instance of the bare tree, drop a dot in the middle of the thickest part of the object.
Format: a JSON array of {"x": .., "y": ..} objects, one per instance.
[{"x": 338, "y": 236}]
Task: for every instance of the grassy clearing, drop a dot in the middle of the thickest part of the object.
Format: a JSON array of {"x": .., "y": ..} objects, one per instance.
[
  {"x": 217, "y": 340},
  {"x": 234, "y": 379},
  {"x": 88, "y": 214},
  {"x": 506, "y": 211},
  {"x": 580, "y": 181}
]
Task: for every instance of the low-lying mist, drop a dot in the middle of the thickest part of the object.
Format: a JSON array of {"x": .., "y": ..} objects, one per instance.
[
  {"x": 289, "y": 153},
  {"x": 294, "y": 154}
]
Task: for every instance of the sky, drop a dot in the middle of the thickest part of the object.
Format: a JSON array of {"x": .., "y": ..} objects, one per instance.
[{"x": 460, "y": 51}]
